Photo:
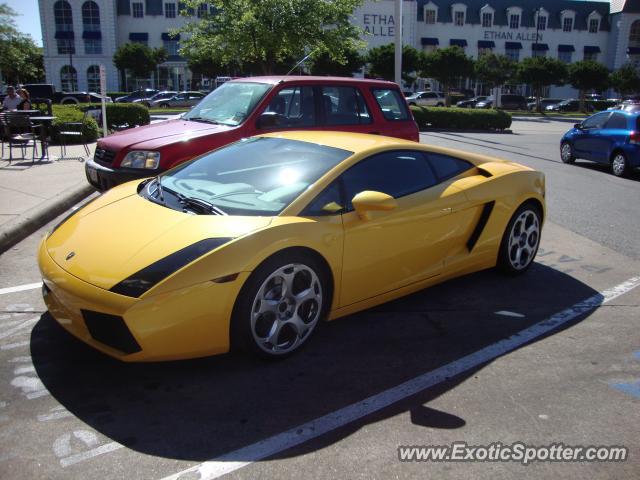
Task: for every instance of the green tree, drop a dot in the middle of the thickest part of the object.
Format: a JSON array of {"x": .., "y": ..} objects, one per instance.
[
  {"x": 588, "y": 75},
  {"x": 494, "y": 70},
  {"x": 139, "y": 59},
  {"x": 381, "y": 61},
  {"x": 21, "y": 59},
  {"x": 323, "y": 64},
  {"x": 540, "y": 72},
  {"x": 263, "y": 34},
  {"x": 625, "y": 80},
  {"x": 447, "y": 65}
]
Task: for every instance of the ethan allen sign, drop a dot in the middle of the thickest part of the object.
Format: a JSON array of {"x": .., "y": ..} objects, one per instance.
[
  {"x": 521, "y": 36},
  {"x": 379, "y": 25}
]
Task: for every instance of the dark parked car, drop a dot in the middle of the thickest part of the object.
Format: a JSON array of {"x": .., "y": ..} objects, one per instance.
[
  {"x": 611, "y": 138},
  {"x": 507, "y": 102},
  {"x": 471, "y": 102},
  {"x": 570, "y": 105},
  {"x": 544, "y": 103},
  {"x": 136, "y": 95}
]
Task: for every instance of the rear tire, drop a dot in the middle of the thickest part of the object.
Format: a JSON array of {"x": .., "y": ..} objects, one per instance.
[
  {"x": 520, "y": 240},
  {"x": 619, "y": 165},
  {"x": 566, "y": 153},
  {"x": 281, "y": 305}
]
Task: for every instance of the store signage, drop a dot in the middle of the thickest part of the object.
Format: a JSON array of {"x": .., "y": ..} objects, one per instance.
[
  {"x": 517, "y": 36},
  {"x": 379, "y": 25}
]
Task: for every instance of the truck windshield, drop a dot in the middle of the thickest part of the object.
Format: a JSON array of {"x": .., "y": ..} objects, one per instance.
[{"x": 229, "y": 104}]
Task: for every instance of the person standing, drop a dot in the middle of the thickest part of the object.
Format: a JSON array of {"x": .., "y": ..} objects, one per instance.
[
  {"x": 25, "y": 103},
  {"x": 11, "y": 101}
]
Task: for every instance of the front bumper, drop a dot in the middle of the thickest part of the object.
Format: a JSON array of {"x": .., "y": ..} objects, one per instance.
[
  {"x": 103, "y": 178},
  {"x": 187, "y": 323}
]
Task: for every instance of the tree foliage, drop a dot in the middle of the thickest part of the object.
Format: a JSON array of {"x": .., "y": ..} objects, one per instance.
[
  {"x": 21, "y": 60},
  {"x": 139, "y": 59},
  {"x": 267, "y": 33},
  {"x": 625, "y": 80},
  {"x": 323, "y": 64},
  {"x": 540, "y": 72},
  {"x": 381, "y": 61},
  {"x": 447, "y": 65},
  {"x": 588, "y": 75},
  {"x": 494, "y": 70}
]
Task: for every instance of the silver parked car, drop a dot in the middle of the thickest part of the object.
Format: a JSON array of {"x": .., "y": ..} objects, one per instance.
[
  {"x": 182, "y": 99},
  {"x": 164, "y": 95},
  {"x": 427, "y": 99}
]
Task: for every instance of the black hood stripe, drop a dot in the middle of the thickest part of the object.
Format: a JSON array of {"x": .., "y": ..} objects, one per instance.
[{"x": 145, "y": 279}]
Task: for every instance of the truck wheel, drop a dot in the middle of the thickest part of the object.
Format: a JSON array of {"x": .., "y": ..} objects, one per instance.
[{"x": 69, "y": 101}]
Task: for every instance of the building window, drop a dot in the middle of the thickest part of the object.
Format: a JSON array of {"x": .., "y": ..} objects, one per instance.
[
  {"x": 66, "y": 46},
  {"x": 202, "y": 10},
  {"x": 594, "y": 25},
  {"x": 567, "y": 24},
  {"x": 539, "y": 53},
  {"x": 91, "y": 17},
  {"x": 138, "y": 9},
  {"x": 593, "y": 56},
  {"x": 564, "y": 57},
  {"x": 93, "y": 78},
  {"x": 513, "y": 54},
  {"x": 634, "y": 34},
  {"x": 514, "y": 21},
  {"x": 487, "y": 20},
  {"x": 484, "y": 51},
  {"x": 459, "y": 19},
  {"x": 92, "y": 46},
  {"x": 170, "y": 10},
  {"x": 542, "y": 22},
  {"x": 171, "y": 46},
  {"x": 430, "y": 48},
  {"x": 68, "y": 79},
  {"x": 62, "y": 16},
  {"x": 430, "y": 16}
]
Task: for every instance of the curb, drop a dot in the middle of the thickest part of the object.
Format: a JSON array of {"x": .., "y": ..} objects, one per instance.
[
  {"x": 461, "y": 130},
  {"x": 20, "y": 228}
]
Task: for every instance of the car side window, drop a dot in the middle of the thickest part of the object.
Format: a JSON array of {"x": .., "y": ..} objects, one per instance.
[
  {"x": 447, "y": 167},
  {"x": 617, "y": 121},
  {"x": 344, "y": 106},
  {"x": 597, "y": 121},
  {"x": 295, "y": 105},
  {"x": 329, "y": 202},
  {"x": 391, "y": 103},
  {"x": 396, "y": 173}
]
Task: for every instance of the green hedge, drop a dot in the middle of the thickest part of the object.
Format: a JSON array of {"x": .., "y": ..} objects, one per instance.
[
  {"x": 461, "y": 119},
  {"x": 126, "y": 114},
  {"x": 71, "y": 113},
  {"x": 602, "y": 104}
]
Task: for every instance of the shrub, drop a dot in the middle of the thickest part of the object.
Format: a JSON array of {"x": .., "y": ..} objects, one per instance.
[
  {"x": 126, "y": 114},
  {"x": 72, "y": 113},
  {"x": 458, "y": 119}
]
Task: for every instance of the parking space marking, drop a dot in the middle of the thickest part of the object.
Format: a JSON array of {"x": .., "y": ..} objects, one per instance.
[
  {"x": 14, "y": 330},
  {"x": 56, "y": 413},
  {"x": 507, "y": 313},
  {"x": 268, "y": 447},
  {"x": 65, "y": 445},
  {"x": 20, "y": 288},
  {"x": 11, "y": 346}
]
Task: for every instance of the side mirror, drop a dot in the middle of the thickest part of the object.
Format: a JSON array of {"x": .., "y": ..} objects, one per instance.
[
  {"x": 578, "y": 126},
  {"x": 370, "y": 201},
  {"x": 269, "y": 120}
]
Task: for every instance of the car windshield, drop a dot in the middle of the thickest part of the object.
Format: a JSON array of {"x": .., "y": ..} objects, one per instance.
[
  {"x": 255, "y": 176},
  {"x": 230, "y": 103}
]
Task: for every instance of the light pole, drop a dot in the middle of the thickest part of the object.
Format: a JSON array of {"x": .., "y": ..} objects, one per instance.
[
  {"x": 535, "y": 49},
  {"x": 398, "y": 54}
]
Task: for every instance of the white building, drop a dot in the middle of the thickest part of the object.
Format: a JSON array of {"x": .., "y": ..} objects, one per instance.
[{"x": 80, "y": 35}]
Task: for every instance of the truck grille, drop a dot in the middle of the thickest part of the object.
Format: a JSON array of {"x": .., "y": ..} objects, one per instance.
[{"x": 104, "y": 156}]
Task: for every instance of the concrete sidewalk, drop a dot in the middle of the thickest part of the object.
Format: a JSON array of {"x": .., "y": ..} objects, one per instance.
[{"x": 33, "y": 193}]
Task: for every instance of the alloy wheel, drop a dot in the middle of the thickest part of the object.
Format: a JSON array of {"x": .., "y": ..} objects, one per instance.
[{"x": 523, "y": 239}]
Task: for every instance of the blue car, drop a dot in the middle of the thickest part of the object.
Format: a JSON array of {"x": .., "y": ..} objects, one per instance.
[{"x": 611, "y": 138}]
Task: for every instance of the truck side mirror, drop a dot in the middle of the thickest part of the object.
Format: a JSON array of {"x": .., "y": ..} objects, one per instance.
[{"x": 269, "y": 120}]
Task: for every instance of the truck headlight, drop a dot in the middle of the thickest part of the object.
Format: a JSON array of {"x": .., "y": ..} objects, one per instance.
[{"x": 141, "y": 159}]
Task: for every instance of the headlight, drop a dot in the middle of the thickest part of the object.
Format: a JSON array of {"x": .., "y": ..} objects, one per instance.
[{"x": 141, "y": 159}]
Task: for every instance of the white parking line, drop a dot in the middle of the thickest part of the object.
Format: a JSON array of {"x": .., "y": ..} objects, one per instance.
[
  {"x": 81, "y": 457},
  {"x": 14, "y": 330},
  {"x": 20, "y": 288},
  {"x": 268, "y": 447}
]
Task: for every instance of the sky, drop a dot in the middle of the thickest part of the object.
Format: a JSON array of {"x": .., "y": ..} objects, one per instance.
[{"x": 28, "y": 20}]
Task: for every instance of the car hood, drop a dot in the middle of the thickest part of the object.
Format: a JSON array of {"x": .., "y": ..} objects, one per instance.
[
  {"x": 121, "y": 233},
  {"x": 160, "y": 134}
]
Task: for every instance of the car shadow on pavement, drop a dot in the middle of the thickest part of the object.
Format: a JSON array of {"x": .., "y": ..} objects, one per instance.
[
  {"x": 200, "y": 409},
  {"x": 605, "y": 169}
]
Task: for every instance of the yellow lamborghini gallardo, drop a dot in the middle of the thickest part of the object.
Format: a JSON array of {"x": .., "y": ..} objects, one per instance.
[{"x": 255, "y": 243}]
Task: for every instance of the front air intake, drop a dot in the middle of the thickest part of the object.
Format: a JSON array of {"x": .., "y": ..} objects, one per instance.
[{"x": 111, "y": 331}]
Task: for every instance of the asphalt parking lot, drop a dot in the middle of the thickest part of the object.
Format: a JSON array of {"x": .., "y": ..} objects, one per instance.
[{"x": 549, "y": 357}]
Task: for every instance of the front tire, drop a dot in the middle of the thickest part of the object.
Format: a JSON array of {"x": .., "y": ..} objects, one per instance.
[
  {"x": 280, "y": 306},
  {"x": 619, "y": 165},
  {"x": 566, "y": 153},
  {"x": 520, "y": 240}
]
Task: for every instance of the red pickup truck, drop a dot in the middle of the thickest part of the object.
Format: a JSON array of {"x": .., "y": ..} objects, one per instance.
[{"x": 249, "y": 106}]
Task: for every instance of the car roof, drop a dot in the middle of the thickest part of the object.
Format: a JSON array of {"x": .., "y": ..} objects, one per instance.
[
  {"x": 275, "y": 79},
  {"x": 353, "y": 142}
]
